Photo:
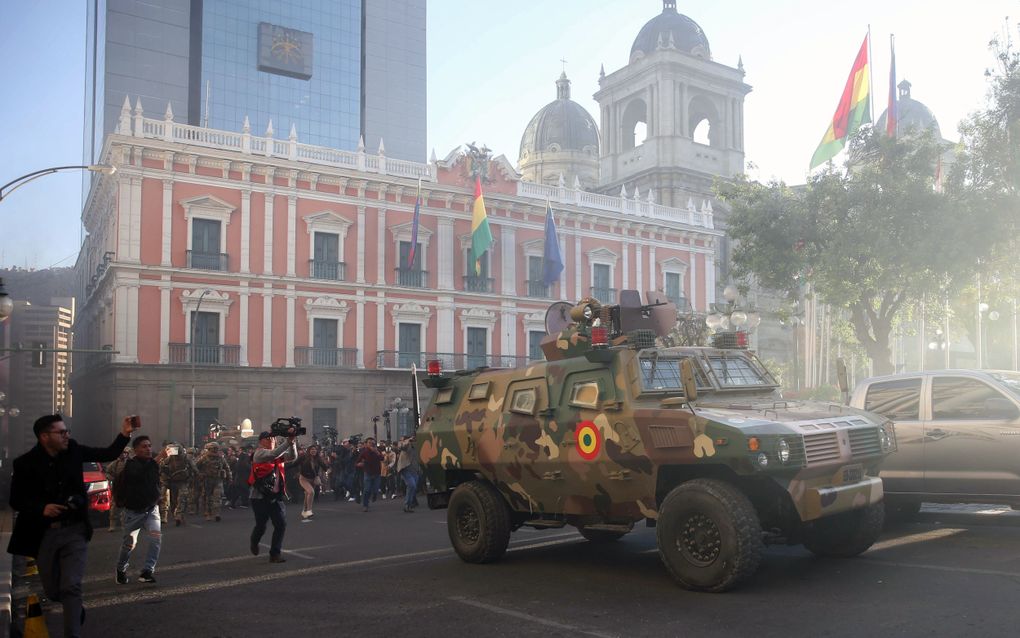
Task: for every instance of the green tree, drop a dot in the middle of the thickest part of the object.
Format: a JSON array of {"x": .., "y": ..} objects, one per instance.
[{"x": 868, "y": 238}]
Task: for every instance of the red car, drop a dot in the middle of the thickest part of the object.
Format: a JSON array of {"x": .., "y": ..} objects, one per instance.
[{"x": 97, "y": 488}]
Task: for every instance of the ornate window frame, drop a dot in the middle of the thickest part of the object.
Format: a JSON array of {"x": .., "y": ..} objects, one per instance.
[
  {"x": 402, "y": 232},
  {"x": 477, "y": 318},
  {"x": 208, "y": 207},
  {"x": 674, "y": 265},
  {"x": 326, "y": 308},
  {"x": 218, "y": 302},
  {"x": 327, "y": 221},
  {"x": 465, "y": 246},
  {"x": 605, "y": 257}
]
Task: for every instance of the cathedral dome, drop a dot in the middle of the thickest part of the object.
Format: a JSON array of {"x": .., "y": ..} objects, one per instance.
[
  {"x": 911, "y": 114},
  {"x": 562, "y": 125},
  {"x": 670, "y": 30}
]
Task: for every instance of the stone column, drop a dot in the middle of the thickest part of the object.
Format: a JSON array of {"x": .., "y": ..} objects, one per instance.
[
  {"x": 508, "y": 250},
  {"x": 445, "y": 253},
  {"x": 245, "y": 233},
  {"x": 244, "y": 324},
  {"x": 164, "y": 319},
  {"x": 359, "y": 314},
  {"x": 167, "y": 229},
  {"x": 291, "y": 237},
  {"x": 267, "y": 325},
  {"x": 291, "y": 299},
  {"x": 361, "y": 245},
  {"x": 267, "y": 254}
]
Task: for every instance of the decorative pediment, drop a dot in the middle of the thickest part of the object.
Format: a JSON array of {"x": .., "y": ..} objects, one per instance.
[
  {"x": 465, "y": 242},
  {"x": 327, "y": 221},
  {"x": 478, "y": 317},
  {"x": 534, "y": 247},
  {"x": 673, "y": 264},
  {"x": 211, "y": 300},
  {"x": 330, "y": 307},
  {"x": 402, "y": 232},
  {"x": 602, "y": 256},
  {"x": 411, "y": 312},
  {"x": 534, "y": 321},
  {"x": 207, "y": 206}
]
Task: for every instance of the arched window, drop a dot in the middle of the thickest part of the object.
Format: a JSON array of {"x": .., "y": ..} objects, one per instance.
[
  {"x": 702, "y": 133},
  {"x": 702, "y": 120},
  {"x": 635, "y": 124}
]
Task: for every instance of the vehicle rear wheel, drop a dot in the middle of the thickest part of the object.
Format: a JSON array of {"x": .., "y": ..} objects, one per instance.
[
  {"x": 847, "y": 534},
  {"x": 601, "y": 535},
  {"x": 478, "y": 521},
  {"x": 709, "y": 535}
]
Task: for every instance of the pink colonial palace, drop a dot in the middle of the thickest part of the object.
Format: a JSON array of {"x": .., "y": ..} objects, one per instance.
[{"x": 273, "y": 275}]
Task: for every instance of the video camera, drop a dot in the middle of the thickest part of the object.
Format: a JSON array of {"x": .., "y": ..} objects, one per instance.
[{"x": 287, "y": 426}]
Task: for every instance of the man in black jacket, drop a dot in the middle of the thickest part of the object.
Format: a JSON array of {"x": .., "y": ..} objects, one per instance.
[
  {"x": 48, "y": 492},
  {"x": 137, "y": 491}
]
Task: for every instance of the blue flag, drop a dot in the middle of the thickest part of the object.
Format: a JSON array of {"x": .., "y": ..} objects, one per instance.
[
  {"x": 414, "y": 229},
  {"x": 552, "y": 263}
]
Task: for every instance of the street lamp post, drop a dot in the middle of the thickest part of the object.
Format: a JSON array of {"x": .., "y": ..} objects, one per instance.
[
  {"x": 15, "y": 184},
  {"x": 191, "y": 355}
]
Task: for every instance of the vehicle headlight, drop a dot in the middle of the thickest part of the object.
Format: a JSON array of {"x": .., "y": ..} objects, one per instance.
[
  {"x": 98, "y": 486},
  {"x": 783, "y": 451},
  {"x": 763, "y": 460},
  {"x": 886, "y": 439}
]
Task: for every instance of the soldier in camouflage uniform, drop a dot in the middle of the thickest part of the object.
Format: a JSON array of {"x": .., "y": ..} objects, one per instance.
[
  {"x": 176, "y": 472},
  {"x": 213, "y": 470},
  {"x": 112, "y": 470},
  {"x": 195, "y": 505}
]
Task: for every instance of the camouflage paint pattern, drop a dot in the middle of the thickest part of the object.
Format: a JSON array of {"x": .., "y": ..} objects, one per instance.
[{"x": 485, "y": 423}]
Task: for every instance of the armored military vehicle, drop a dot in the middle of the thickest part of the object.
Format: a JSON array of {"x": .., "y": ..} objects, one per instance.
[{"x": 612, "y": 430}]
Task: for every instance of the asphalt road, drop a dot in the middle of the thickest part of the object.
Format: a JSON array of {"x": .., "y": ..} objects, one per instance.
[{"x": 953, "y": 573}]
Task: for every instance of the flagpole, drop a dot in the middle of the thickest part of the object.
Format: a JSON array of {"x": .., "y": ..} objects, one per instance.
[{"x": 871, "y": 80}]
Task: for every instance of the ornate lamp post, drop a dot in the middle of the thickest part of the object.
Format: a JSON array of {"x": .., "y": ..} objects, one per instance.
[
  {"x": 15, "y": 184},
  {"x": 729, "y": 316},
  {"x": 191, "y": 355}
]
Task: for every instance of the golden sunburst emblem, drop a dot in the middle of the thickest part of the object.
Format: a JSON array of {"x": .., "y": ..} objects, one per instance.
[{"x": 286, "y": 48}]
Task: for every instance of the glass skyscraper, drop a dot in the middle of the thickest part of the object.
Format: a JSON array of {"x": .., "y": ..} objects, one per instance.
[
  {"x": 290, "y": 61},
  {"x": 335, "y": 69}
]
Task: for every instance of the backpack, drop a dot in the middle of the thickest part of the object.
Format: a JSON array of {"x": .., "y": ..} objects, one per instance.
[
  {"x": 177, "y": 467},
  {"x": 263, "y": 479}
]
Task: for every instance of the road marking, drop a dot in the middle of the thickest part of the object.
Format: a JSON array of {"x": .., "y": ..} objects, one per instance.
[
  {"x": 291, "y": 552},
  {"x": 391, "y": 561},
  {"x": 942, "y": 568},
  {"x": 573, "y": 629},
  {"x": 919, "y": 537},
  {"x": 214, "y": 561}
]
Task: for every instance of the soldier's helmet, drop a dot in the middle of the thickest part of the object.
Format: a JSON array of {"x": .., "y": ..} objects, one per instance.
[{"x": 212, "y": 447}]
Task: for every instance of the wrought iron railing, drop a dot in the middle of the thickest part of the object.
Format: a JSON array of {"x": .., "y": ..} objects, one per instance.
[
  {"x": 412, "y": 278},
  {"x": 605, "y": 295},
  {"x": 333, "y": 270},
  {"x": 207, "y": 261},
  {"x": 205, "y": 355},
  {"x": 538, "y": 289},
  {"x": 448, "y": 360},
  {"x": 478, "y": 284},
  {"x": 305, "y": 357}
]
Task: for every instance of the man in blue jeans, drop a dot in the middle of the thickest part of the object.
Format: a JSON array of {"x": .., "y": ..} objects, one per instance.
[
  {"x": 370, "y": 461},
  {"x": 408, "y": 468},
  {"x": 267, "y": 492},
  {"x": 137, "y": 491}
]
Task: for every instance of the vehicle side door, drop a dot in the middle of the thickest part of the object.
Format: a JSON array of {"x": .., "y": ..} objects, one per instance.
[
  {"x": 970, "y": 442},
  {"x": 900, "y": 400}
]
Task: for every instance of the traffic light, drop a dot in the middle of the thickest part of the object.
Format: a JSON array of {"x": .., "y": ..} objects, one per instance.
[{"x": 39, "y": 355}]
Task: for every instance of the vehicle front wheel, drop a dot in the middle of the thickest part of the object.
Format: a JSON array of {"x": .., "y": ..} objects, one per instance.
[
  {"x": 709, "y": 535},
  {"x": 847, "y": 534},
  {"x": 478, "y": 521}
]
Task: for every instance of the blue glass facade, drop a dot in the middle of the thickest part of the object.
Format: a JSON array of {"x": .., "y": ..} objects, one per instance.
[{"x": 326, "y": 108}]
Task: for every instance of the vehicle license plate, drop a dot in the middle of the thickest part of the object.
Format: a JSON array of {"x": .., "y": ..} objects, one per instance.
[{"x": 853, "y": 474}]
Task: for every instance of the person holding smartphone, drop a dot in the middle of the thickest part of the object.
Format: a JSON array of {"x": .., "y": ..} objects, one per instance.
[{"x": 48, "y": 492}]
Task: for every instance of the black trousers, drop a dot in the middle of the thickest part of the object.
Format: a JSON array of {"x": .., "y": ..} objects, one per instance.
[
  {"x": 61, "y": 561},
  {"x": 265, "y": 511}
]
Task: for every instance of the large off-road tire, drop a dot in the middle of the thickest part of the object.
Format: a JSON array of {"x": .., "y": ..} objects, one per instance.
[
  {"x": 709, "y": 535},
  {"x": 601, "y": 535},
  {"x": 478, "y": 521},
  {"x": 847, "y": 534}
]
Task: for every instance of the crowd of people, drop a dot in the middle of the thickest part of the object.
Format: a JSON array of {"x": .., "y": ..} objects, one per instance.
[{"x": 149, "y": 488}]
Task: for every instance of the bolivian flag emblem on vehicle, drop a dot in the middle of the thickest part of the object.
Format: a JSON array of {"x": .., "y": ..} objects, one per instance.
[{"x": 588, "y": 439}]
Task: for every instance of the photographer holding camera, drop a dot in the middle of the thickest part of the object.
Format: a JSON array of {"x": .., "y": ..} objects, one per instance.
[
  {"x": 48, "y": 492},
  {"x": 267, "y": 487}
]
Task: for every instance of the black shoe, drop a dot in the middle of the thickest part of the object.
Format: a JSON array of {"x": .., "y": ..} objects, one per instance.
[
  {"x": 122, "y": 578},
  {"x": 177, "y": 523},
  {"x": 146, "y": 576},
  {"x": 81, "y": 620},
  {"x": 277, "y": 559},
  {"x": 217, "y": 519},
  {"x": 254, "y": 548}
]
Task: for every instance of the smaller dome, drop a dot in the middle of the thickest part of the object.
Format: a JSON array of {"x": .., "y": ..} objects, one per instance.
[
  {"x": 911, "y": 115},
  {"x": 561, "y": 125},
  {"x": 670, "y": 30}
]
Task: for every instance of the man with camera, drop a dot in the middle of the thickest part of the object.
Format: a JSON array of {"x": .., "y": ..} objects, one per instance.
[
  {"x": 267, "y": 490},
  {"x": 137, "y": 490},
  {"x": 408, "y": 468},
  {"x": 48, "y": 492}
]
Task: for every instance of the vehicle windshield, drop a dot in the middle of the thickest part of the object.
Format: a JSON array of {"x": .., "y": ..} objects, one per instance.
[
  {"x": 738, "y": 372},
  {"x": 1008, "y": 380},
  {"x": 661, "y": 373},
  {"x": 714, "y": 371}
]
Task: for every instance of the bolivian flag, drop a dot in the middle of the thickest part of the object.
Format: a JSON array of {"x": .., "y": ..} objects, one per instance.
[
  {"x": 854, "y": 109},
  {"x": 481, "y": 236}
]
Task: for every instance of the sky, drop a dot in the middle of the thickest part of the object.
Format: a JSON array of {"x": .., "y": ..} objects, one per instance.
[{"x": 492, "y": 65}]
